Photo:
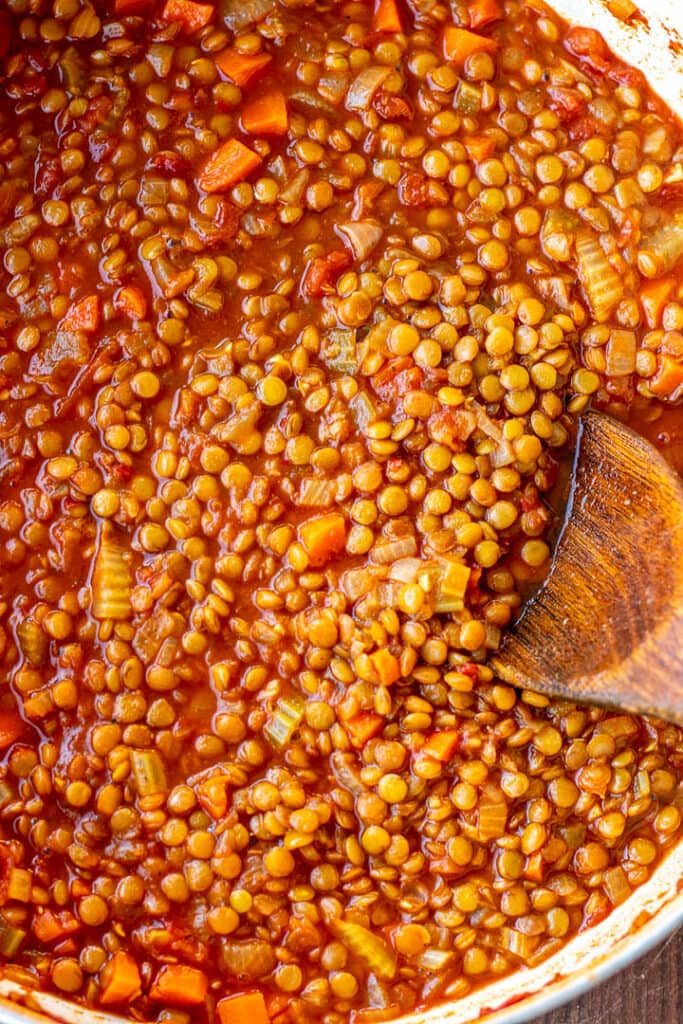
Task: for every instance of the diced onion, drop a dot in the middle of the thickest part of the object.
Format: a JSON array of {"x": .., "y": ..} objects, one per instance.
[
  {"x": 361, "y": 237},
  {"x": 486, "y": 424},
  {"x": 389, "y": 551},
  {"x": 238, "y": 14},
  {"x": 434, "y": 960},
  {"x": 405, "y": 570},
  {"x": 364, "y": 87},
  {"x": 620, "y": 353}
]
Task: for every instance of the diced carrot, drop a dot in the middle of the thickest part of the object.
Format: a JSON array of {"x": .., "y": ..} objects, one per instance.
[
  {"x": 323, "y": 537},
  {"x": 130, "y": 301},
  {"x": 442, "y": 745},
  {"x": 213, "y": 796},
  {"x": 459, "y": 44},
  {"x": 243, "y": 1008},
  {"x": 484, "y": 12},
  {"x": 11, "y": 727},
  {"x": 124, "y": 7},
  {"x": 230, "y": 164},
  {"x": 654, "y": 296},
  {"x": 386, "y": 666},
  {"x": 668, "y": 380},
  {"x": 179, "y": 985},
  {"x": 386, "y": 17},
  {"x": 190, "y": 15},
  {"x": 50, "y": 926},
  {"x": 479, "y": 147},
  {"x": 266, "y": 115},
  {"x": 240, "y": 68},
  {"x": 84, "y": 315},
  {"x": 120, "y": 981},
  {"x": 363, "y": 726}
]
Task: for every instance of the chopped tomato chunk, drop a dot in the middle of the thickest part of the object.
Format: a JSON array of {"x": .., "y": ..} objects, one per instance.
[{"x": 189, "y": 15}]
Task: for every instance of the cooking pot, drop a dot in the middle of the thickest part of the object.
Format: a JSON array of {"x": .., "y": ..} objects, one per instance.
[{"x": 652, "y": 42}]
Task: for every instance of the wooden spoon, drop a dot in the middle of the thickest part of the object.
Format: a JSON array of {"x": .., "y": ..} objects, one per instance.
[{"x": 607, "y": 624}]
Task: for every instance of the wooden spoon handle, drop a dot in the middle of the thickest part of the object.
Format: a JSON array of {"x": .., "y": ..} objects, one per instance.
[{"x": 607, "y": 624}]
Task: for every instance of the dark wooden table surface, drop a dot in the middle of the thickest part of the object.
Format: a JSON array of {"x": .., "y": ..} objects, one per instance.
[{"x": 648, "y": 992}]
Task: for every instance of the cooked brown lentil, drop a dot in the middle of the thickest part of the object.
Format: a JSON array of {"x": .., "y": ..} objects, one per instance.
[{"x": 298, "y": 310}]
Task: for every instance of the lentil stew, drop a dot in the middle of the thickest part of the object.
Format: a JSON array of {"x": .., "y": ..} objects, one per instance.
[{"x": 299, "y": 304}]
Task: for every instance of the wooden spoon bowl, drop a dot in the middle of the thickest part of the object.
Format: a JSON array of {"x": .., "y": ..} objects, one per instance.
[{"x": 607, "y": 624}]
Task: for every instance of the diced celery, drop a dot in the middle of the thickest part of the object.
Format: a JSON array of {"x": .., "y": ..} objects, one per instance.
[
  {"x": 339, "y": 350},
  {"x": 33, "y": 642},
  {"x": 573, "y": 834},
  {"x": 616, "y": 885},
  {"x": 372, "y": 949},
  {"x": 19, "y": 885},
  {"x": 11, "y": 938},
  {"x": 467, "y": 98},
  {"x": 72, "y": 71},
  {"x": 111, "y": 579},
  {"x": 602, "y": 284},
  {"x": 148, "y": 770},
  {"x": 289, "y": 712}
]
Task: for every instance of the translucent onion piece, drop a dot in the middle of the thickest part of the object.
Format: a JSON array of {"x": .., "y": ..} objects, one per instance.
[
  {"x": 620, "y": 353},
  {"x": 364, "y": 87},
  {"x": 434, "y": 960},
  {"x": 361, "y": 237}
]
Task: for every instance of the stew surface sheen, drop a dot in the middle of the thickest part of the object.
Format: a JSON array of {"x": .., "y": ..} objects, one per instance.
[{"x": 299, "y": 305}]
